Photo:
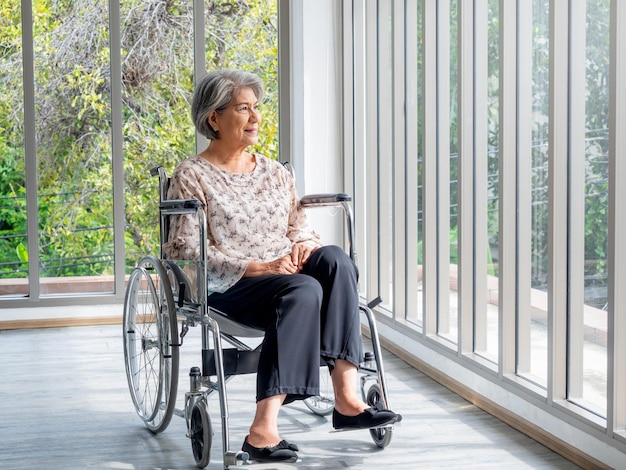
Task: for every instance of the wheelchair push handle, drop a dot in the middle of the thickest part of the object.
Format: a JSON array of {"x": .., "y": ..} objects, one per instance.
[
  {"x": 325, "y": 199},
  {"x": 173, "y": 204}
]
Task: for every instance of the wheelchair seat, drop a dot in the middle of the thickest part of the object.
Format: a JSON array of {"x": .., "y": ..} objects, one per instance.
[{"x": 227, "y": 325}]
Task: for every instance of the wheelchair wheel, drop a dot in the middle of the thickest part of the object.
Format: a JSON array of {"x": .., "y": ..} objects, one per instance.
[
  {"x": 150, "y": 332},
  {"x": 201, "y": 433},
  {"x": 380, "y": 436},
  {"x": 323, "y": 404}
]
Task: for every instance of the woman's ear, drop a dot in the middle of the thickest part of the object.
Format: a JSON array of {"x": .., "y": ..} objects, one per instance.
[{"x": 213, "y": 120}]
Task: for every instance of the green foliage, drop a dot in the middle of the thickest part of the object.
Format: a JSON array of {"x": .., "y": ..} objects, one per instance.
[
  {"x": 73, "y": 106},
  {"x": 12, "y": 206},
  {"x": 73, "y": 118}
]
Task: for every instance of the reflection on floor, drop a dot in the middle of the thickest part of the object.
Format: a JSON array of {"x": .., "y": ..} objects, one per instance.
[{"x": 65, "y": 405}]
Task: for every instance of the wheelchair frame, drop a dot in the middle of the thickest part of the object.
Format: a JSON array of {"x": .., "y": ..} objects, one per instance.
[{"x": 159, "y": 296}]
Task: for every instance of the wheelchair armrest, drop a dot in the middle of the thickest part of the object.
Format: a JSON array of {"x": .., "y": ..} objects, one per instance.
[
  {"x": 326, "y": 199},
  {"x": 179, "y": 206},
  {"x": 336, "y": 200}
]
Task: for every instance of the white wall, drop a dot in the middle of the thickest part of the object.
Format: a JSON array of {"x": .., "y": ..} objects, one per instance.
[{"x": 321, "y": 98}]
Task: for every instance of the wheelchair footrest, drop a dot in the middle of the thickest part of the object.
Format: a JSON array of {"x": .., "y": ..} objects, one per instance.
[{"x": 236, "y": 362}]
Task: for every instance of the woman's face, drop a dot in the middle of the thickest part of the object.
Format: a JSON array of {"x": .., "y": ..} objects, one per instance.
[{"x": 239, "y": 122}]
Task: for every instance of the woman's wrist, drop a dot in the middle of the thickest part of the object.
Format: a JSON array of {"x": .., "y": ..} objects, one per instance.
[{"x": 254, "y": 269}]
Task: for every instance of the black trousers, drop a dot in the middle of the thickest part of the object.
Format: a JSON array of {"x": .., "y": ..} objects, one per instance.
[{"x": 308, "y": 315}]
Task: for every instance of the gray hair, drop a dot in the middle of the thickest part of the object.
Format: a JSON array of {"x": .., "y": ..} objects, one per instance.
[{"x": 216, "y": 91}]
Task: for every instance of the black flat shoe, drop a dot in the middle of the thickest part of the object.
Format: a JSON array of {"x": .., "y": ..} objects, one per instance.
[
  {"x": 288, "y": 445},
  {"x": 374, "y": 417},
  {"x": 282, "y": 452}
]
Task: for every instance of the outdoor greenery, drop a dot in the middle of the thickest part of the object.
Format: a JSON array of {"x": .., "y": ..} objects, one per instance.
[
  {"x": 73, "y": 118},
  {"x": 74, "y": 115}
]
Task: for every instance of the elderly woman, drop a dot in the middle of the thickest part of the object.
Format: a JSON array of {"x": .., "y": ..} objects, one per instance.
[{"x": 267, "y": 268}]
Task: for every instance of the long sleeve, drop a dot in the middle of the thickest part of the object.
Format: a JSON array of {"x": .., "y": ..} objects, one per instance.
[
  {"x": 184, "y": 236},
  {"x": 299, "y": 230}
]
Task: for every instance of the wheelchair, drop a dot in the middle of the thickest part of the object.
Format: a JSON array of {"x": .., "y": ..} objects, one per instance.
[{"x": 164, "y": 298}]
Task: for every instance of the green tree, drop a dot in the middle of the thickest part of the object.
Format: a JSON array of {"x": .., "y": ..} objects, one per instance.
[{"x": 73, "y": 115}]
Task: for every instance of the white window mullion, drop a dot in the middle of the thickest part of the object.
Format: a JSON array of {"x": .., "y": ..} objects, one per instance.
[
  {"x": 30, "y": 149},
  {"x": 413, "y": 308},
  {"x": 430, "y": 131},
  {"x": 557, "y": 201},
  {"x": 576, "y": 248},
  {"x": 348, "y": 54},
  {"x": 465, "y": 212},
  {"x": 400, "y": 239},
  {"x": 617, "y": 224},
  {"x": 370, "y": 157},
  {"x": 384, "y": 157},
  {"x": 360, "y": 144},
  {"x": 507, "y": 184},
  {"x": 199, "y": 69},
  {"x": 443, "y": 167},
  {"x": 481, "y": 155},
  {"x": 117, "y": 148},
  {"x": 524, "y": 191}
]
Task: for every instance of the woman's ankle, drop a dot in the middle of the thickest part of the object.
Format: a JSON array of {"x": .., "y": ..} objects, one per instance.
[
  {"x": 263, "y": 437},
  {"x": 349, "y": 407}
]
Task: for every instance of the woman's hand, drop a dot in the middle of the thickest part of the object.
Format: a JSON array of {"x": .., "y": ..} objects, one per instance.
[
  {"x": 300, "y": 254},
  {"x": 282, "y": 265},
  {"x": 288, "y": 264}
]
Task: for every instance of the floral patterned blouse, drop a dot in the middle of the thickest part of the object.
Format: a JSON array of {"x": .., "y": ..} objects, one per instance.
[{"x": 253, "y": 216}]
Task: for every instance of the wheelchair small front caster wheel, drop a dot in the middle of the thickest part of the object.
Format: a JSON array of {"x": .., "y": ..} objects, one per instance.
[
  {"x": 380, "y": 436},
  {"x": 200, "y": 433}
]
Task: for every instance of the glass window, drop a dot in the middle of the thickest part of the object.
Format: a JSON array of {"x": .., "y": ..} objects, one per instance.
[
  {"x": 244, "y": 35},
  {"x": 157, "y": 82},
  {"x": 486, "y": 167},
  {"x": 513, "y": 181},
  {"x": 13, "y": 237},
  {"x": 415, "y": 167},
  {"x": 73, "y": 120},
  {"x": 73, "y": 146},
  {"x": 157, "y": 75},
  {"x": 589, "y": 206},
  {"x": 532, "y": 351},
  {"x": 447, "y": 320}
]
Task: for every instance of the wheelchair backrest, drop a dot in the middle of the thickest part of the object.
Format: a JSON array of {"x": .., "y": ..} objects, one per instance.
[{"x": 164, "y": 223}]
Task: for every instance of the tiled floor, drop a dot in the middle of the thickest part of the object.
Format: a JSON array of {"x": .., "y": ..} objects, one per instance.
[{"x": 64, "y": 404}]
